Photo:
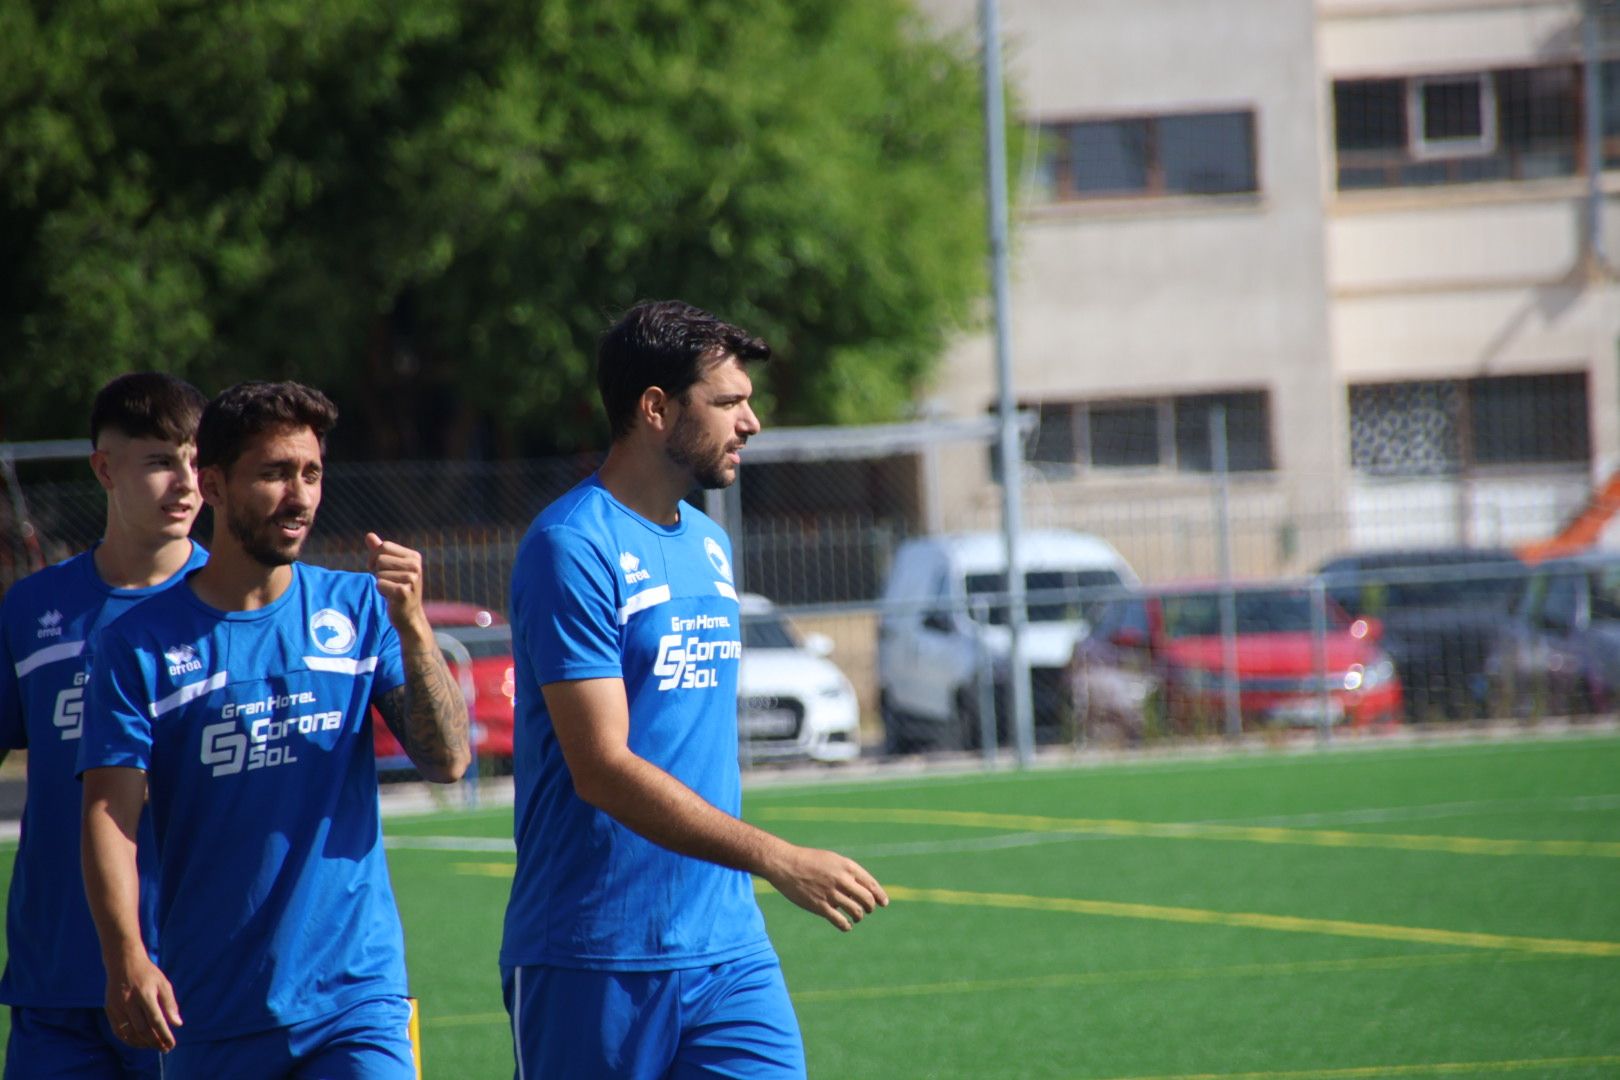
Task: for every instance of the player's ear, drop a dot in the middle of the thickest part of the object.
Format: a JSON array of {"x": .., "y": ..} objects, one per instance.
[
  {"x": 211, "y": 482},
  {"x": 101, "y": 465},
  {"x": 653, "y": 408}
]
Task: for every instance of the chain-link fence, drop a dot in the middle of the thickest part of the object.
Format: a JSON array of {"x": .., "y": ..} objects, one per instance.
[
  {"x": 876, "y": 619},
  {"x": 1329, "y": 311}
]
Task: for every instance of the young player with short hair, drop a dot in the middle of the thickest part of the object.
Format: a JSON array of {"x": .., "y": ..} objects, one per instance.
[
  {"x": 143, "y": 452},
  {"x": 240, "y": 700},
  {"x": 633, "y": 945}
]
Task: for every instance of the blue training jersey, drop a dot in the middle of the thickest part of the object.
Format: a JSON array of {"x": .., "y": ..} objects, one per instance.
[
  {"x": 600, "y": 592},
  {"x": 274, "y": 904},
  {"x": 53, "y": 960}
]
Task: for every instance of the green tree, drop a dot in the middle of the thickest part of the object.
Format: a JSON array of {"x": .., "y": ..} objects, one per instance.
[{"x": 431, "y": 207}]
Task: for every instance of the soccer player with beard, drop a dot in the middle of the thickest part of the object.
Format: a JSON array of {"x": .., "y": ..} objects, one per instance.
[
  {"x": 633, "y": 945},
  {"x": 143, "y": 452},
  {"x": 239, "y": 701}
]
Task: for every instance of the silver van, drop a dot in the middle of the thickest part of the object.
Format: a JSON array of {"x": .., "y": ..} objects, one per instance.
[{"x": 943, "y": 638}]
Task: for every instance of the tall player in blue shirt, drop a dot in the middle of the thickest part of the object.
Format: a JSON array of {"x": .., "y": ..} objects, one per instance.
[
  {"x": 239, "y": 701},
  {"x": 633, "y": 945},
  {"x": 142, "y": 433}
]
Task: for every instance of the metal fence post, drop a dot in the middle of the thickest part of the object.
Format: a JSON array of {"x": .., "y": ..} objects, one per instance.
[
  {"x": 462, "y": 659},
  {"x": 1324, "y": 699},
  {"x": 1223, "y": 539}
]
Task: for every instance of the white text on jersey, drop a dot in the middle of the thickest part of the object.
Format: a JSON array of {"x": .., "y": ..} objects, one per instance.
[
  {"x": 680, "y": 659},
  {"x": 230, "y": 750}
]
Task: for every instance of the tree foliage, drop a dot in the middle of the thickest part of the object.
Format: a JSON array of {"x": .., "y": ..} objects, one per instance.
[{"x": 431, "y": 207}]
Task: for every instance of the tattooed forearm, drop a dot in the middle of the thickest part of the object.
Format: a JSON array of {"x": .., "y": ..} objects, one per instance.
[{"x": 429, "y": 718}]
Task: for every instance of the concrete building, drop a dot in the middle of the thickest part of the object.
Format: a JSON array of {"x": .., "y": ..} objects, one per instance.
[{"x": 1365, "y": 230}]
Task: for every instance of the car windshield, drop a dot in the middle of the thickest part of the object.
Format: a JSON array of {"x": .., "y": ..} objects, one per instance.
[
  {"x": 1374, "y": 590},
  {"x": 1606, "y": 595},
  {"x": 1054, "y": 595},
  {"x": 767, "y": 631},
  {"x": 1199, "y": 614}
]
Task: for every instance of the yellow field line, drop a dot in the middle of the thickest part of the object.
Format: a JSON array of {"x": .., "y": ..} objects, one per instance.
[
  {"x": 1442, "y": 1068},
  {"x": 1059, "y": 980},
  {"x": 466, "y": 1020},
  {"x": 1259, "y": 921},
  {"x": 1251, "y": 920},
  {"x": 486, "y": 869},
  {"x": 1183, "y": 830}
]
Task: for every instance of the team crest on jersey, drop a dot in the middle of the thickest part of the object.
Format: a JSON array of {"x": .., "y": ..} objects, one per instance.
[
  {"x": 717, "y": 556},
  {"x": 332, "y": 631},
  {"x": 182, "y": 660},
  {"x": 632, "y": 568},
  {"x": 50, "y": 624}
]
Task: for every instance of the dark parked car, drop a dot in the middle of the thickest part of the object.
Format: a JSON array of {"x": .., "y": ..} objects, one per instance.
[
  {"x": 1559, "y": 653},
  {"x": 1441, "y": 609}
]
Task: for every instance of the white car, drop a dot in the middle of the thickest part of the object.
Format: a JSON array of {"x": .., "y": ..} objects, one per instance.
[
  {"x": 793, "y": 702},
  {"x": 943, "y": 636}
]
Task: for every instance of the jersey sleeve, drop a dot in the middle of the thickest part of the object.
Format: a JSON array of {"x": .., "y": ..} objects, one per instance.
[
  {"x": 564, "y": 611},
  {"x": 390, "y": 658},
  {"x": 13, "y": 725},
  {"x": 117, "y": 709}
]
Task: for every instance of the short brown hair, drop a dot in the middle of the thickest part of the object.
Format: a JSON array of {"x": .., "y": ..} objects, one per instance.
[
  {"x": 147, "y": 405},
  {"x": 663, "y": 343}
]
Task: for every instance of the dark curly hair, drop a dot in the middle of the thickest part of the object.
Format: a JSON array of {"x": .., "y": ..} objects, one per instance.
[{"x": 251, "y": 408}]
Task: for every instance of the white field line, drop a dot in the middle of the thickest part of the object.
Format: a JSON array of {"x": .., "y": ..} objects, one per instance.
[{"x": 493, "y": 844}]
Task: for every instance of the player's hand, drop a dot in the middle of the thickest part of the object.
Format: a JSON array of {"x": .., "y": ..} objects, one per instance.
[
  {"x": 826, "y": 883},
  {"x": 398, "y": 571},
  {"x": 141, "y": 1006}
]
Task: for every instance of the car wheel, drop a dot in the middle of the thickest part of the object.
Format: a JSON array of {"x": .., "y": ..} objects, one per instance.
[
  {"x": 899, "y": 728},
  {"x": 967, "y": 719}
]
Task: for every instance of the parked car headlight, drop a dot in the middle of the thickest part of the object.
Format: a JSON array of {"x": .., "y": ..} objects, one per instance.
[
  {"x": 1369, "y": 676},
  {"x": 832, "y": 690}
]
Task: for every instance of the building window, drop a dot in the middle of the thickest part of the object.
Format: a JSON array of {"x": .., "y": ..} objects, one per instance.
[
  {"x": 1442, "y": 428},
  {"x": 1452, "y": 116},
  {"x": 1511, "y": 124},
  {"x": 1183, "y": 154},
  {"x": 1247, "y": 432},
  {"x": 1125, "y": 435},
  {"x": 1172, "y": 433},
  {"x": 1053, "y": 438}
]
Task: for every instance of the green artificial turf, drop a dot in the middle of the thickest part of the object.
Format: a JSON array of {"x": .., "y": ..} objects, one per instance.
[{"x": 1408, "y": 911}]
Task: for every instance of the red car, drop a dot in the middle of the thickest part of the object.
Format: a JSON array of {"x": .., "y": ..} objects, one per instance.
[
  {"x": 1155, "y": 661},
  {"x": 487, "y": 641}
]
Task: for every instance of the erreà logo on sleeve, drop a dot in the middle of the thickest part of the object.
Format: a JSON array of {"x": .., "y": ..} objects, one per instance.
[
  {"x": 182, "y": 660},
  {"x": 632, "y": 568}
]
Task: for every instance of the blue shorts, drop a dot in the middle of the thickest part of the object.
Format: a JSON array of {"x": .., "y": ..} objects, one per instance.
[
  {"x": 368, "y": 1041},
  {"x": 56, "y": 1044},
  {"x": 728, "y": 1020}
]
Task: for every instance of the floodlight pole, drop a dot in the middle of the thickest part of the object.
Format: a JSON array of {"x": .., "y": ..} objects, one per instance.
[{"x": 995, "y": 156}]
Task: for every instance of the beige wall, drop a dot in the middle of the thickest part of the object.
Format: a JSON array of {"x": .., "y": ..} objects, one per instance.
[
  {"x": 1301, "y": 289},
  {"x": 1486, "y": 279},
  {"x": 1148, "y": 297},
  {"x": 1373, "y": 37}
]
